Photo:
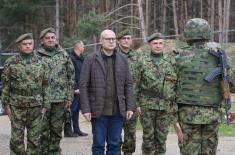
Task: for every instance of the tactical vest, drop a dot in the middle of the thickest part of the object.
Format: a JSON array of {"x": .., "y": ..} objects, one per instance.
[{"x": 192, "y": 89}]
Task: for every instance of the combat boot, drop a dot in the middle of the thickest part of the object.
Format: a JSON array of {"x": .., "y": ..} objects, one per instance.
[
  {"x": 68, "y": 131},
  {"x": 80, "y": 133},
  {"x": 70, "y": 134}
]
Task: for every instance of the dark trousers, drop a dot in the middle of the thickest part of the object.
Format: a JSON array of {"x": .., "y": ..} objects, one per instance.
[
  {"x": 107, "y": 129},
  {"x": 75, "y": 107}
]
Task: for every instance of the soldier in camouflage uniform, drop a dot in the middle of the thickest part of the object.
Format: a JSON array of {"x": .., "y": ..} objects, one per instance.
[
  {"x": 62, "y": 82},
  {"x": 26, "y": 95},
  {"x": 155, "y": 92},
  {"x": 125, "y": 41},
  {"x": 199, "y": 102}
]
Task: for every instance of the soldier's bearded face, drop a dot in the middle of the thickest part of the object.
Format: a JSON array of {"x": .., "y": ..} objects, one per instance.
[
  {"x": 26, "y": 46},
  {"x": 157, "y": 45},
  {"x": 49, "y": 40},
  {"x": 126, "y": 41}
]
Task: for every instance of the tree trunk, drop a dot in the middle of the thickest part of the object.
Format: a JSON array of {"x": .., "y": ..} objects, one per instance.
[
  {"x": 212, "y": 17},
  {"x": 142, "y": 25},
  {"x": 57, "y": 19},
  {"x": 155, "y": 16},
  {"x": 181, "y": 17},
  {"x": 226, "y": 23},
  {"x": 132, "y": 13},
  {"x": 220, "y": 21},
  {"x": 175, "y": 18},
  {"x": 164, "y": 16},
  {"x": 224, "y": 20},
  {"x": 71, "y": 18},
  {"x": 201, "y": 8},
  {"x": 147, "y": 15},
  {"x": 186, "y": 10}
]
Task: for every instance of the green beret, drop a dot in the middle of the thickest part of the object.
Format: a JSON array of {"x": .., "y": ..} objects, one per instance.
[
  {"x": 45, "y": 31},
  {"x": 23, "y": 37},
  {"x": 155, "y": 36},
  {"x": 123, "y": 33}
]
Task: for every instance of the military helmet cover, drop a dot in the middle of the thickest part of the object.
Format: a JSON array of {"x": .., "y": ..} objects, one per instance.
[
  {"x": 45, "y": 31},
  {"x": 123, "y": 33},
  {"x": 23, "y": 37},
  {"x": 155, "y": 36},
  {"x": 197, "y": 29}
]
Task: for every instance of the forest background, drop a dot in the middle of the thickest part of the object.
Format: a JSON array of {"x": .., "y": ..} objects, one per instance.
[{"x": 85, "y": 19}]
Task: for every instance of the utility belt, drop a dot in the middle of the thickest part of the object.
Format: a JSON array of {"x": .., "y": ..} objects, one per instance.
[{"x": 28, "y": 92}]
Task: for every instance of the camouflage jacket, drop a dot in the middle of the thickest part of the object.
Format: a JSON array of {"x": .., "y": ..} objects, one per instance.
[
  {"x": 61, "y": 73},
  {"x": 156, "y": 80},
  {"x": 132, "y": 56},
  {"x": 190, "y": 111},
  {"x": 25, "y": 82}
]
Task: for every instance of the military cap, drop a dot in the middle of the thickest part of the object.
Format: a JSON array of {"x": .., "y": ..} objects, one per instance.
[
  {"x": 45, "y": 31},
  {"x": 123, "y": 33},
  {"x": 155, "y": 36},
  {"x": 23, "y": 37}
]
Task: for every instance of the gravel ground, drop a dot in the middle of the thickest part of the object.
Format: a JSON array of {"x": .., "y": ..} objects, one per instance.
[{"x": 82, "y": 145}]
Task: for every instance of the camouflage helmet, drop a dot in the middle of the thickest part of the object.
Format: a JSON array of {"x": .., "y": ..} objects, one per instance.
[{"x": 197, "y": 29}]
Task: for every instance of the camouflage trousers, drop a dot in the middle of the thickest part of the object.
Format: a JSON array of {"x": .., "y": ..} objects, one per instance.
[
  {"x": 155, "y": 125},
  {"x": 25, "y": 118},
  {"x": 128, "y": 146},
  {"x": 199, "y": 139},
  {"x": 52, "y": 130}
]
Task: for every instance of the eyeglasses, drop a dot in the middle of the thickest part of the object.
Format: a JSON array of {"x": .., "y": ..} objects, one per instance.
[{"x": 109, "y": 39}]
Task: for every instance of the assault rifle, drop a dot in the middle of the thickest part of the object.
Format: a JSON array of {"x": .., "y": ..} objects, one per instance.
[{"x": 221, "y": 70}]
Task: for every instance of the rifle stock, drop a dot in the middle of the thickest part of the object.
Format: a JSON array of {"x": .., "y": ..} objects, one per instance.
[{"x": 225, "y": 90}]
